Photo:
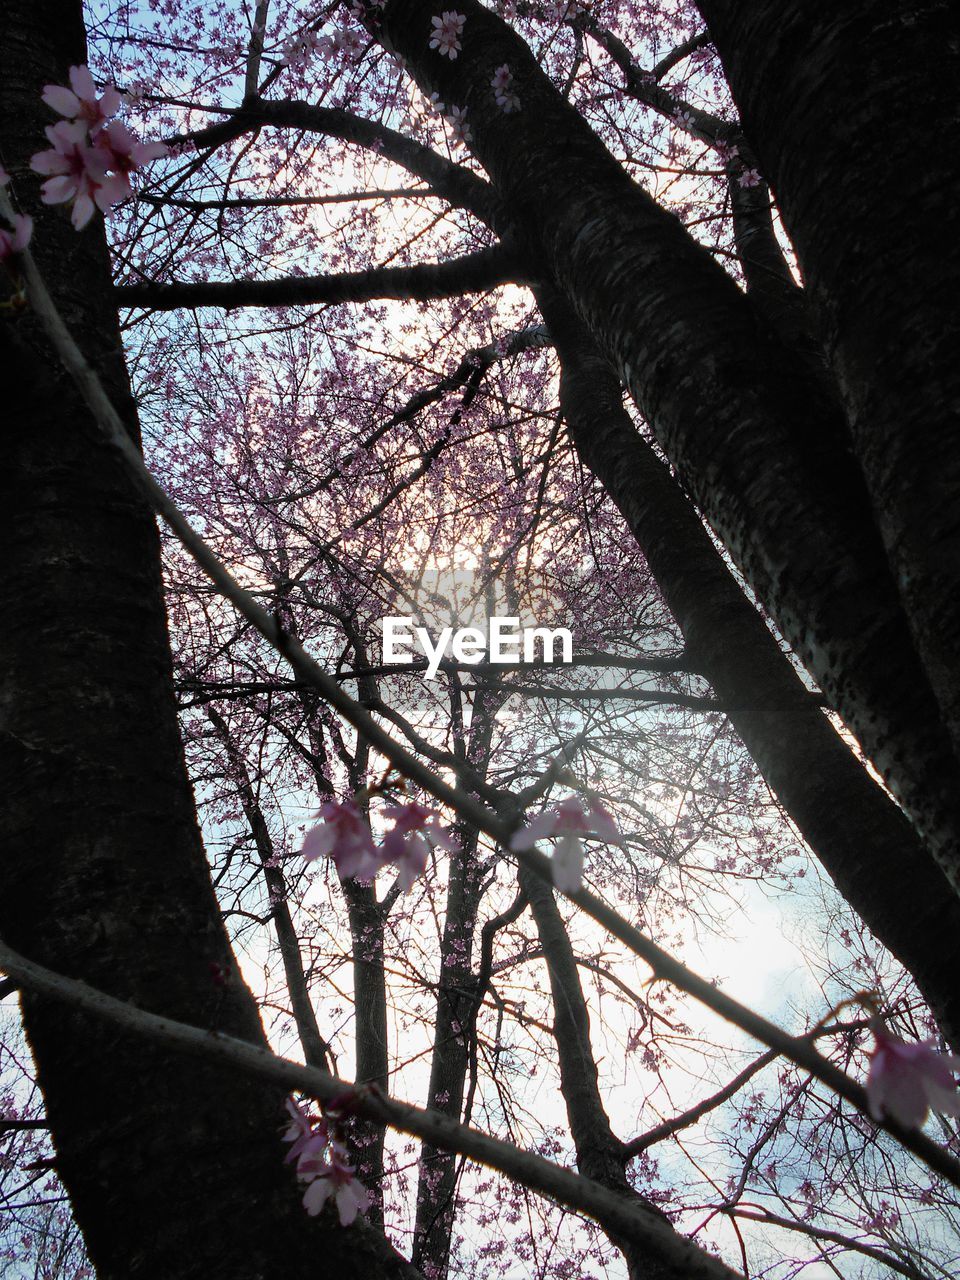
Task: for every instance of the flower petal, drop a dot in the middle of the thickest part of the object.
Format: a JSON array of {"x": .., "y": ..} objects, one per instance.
[
  {"x": 316, "y": 1195},
  {"x": 110, "y": 102},
  {"x": 82, "y": 211},
  {"x": 603, "y": 824},
  {"x": 61, "y": 100},
  {"x": 542, "y": 826},
  {"x": 112, "y": 190},
  {"x": 318, "y": 841},
  {"x": 81, "y": 81},
  {"x": 56, "y": 190},
  {"x": 566, "y": 865}
]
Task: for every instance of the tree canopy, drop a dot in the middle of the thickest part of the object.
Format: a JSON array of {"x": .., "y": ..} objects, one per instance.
[{"x": 633, "y": 321}]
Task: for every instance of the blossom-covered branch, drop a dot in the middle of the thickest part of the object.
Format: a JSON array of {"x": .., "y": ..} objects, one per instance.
[
  {"x": 501, "y": 828},
  {"x": 576, "y": 1192}
]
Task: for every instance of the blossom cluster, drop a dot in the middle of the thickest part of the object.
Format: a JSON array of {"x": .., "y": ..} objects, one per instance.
[
  {"x": 730, "y": 155},
  {"x": 343, "y": 44},
  {"x": 322, "y": 1163},
  {"x": 344, "y": 835},
  {"x": 456, "y": 119},
  {"x": 447, "y": 30},
  {"x": 569, "y": 822},
  {"x": 503, "y": 91},
  {"x": 92, "y": 156}
]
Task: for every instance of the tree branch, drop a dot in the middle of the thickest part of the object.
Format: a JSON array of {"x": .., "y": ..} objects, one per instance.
[
  {"x": 500, "y": 828},
  {"x": 457, "y": 185},
  {"x": 563, "y": 1186},
  {"x": 472, "y": 273}
]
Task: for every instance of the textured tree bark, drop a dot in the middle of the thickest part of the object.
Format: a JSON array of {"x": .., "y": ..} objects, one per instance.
[
  {"x": 367, "y": 923},
  {"x": 770, "y": 285},
  {"x": 853, "y": 110},
  {"x": 862, "y": 840},
  {"x": 762, "y": 450},
  {"x": 367, "y": 917},
  {"x": 173, "y": 1168}
]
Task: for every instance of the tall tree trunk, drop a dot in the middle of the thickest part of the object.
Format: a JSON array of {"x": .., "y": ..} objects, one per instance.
[
  {"x": 436, "y": 1185},
  {"x": 869, "y": 89},
  {"x": 173, "y": 1168},
  {"x": 315, "y": 1049},
  {"x": 368, "y": 919},
  {"x": 862, "y": 840},
  {"x": 763, "y": 450}
]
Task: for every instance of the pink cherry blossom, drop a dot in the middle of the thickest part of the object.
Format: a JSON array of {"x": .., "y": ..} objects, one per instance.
[
  {"x": 335, "y": 1177},
  {"x": 308, "y": 1138},
  {"x": 568, "y": 822},
  {"x": 298, "y": 49},
  {"x": 346, "y": 43},
  {"x": 416, "y": 829},
  {"x": 907, "y": 1079},
  {"x": 503, "y": 92},
  {"x": 81, "y": 102},
  {"x": 78, "y": 172},
  {"x": 322, "y": 1163},
  {"x": 749, "y": 178},
  {"x": 125, "y": 153},
  {"x": 343, "y": 835},
  {"x": 16, "y": 240},
  {"x": 448, "y": 29},
  {"x": 456, "y": 118},
  {"x": 92, "y": 156}
]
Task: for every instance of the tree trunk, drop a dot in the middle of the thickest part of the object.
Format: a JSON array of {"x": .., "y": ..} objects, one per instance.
[
  {"x": 600, "y": 1154},
  {"x": 315, "y": 1049},
  {"x": 861, "y": 839},
  {"x": 867, "y": 91},
  {"x": 455, "y": 1021},
  {"x": 173, "y": 1168},
  {"x": 764, "y": 452}
]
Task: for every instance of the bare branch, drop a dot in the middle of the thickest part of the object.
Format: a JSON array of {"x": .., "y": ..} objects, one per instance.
[
  {"x": 473, "y": 273},
  {"x": 457, "y": 185},
  {"x": 255, "y": 50}
]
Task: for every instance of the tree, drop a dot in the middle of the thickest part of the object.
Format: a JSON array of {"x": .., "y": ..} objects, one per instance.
[{"x": 784, "y": 471}]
